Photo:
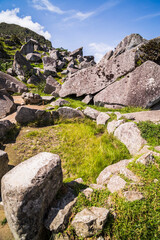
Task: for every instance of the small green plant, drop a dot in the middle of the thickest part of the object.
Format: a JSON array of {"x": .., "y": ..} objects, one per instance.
[
  {"x": 150, "y": 132},
  {"x": 4, "y": 222}
]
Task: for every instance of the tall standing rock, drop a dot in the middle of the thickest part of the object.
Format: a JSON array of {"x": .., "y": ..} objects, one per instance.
[
  {"x": 3, "y": 165},
  {"x": 7, "y": 104},
  {"x": 27, "y": 193}
]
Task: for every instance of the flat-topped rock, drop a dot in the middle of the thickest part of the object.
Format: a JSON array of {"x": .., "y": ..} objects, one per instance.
[
  {"x": 68, "y": 112},
  {"x": 153, "y": 116}
]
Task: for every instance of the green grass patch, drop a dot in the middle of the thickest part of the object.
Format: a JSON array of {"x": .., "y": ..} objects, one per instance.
[
  {"x": 86, "y": 149},
  {"x": 38, "y": 65},
  {"x": 150, "y": 132}
]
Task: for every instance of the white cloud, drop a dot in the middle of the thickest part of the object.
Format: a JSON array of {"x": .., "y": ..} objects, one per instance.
[
  {"x": 11, "y": 16},
  {"x": 99, "y": 50},
  {"x": 80, "y": 16},
  {"x": 46, "y": 5},
  {"x": 148, "y": 16}
]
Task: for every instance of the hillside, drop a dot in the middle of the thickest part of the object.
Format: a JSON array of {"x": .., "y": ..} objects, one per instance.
[{"x": 22, "y": 33}]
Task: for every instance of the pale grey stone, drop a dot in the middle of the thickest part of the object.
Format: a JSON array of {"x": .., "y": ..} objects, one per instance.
[
  {"x": 68, "y": 112},
  {"x": 133, "y": 195},
  {"x": 116, "y": 183},
  {"x": 91, "y": 113},
  {"x": 146, "y": 159},
  {"x": 102, "y": 118}
]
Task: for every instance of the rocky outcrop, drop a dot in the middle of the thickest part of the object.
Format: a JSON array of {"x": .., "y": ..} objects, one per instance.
[
  {"x": 139, "y": 88},
  {"x": 11, "y": 84},
  {"x": 77, "y": 52},
  {"x": 29, "y": 47},
  {"x": 3, "y": 165},
  {"x": 26, "y": 115},
  {"x": 89, "y": 222},
  {"x": 20, "y": 65},
  {"x": 129, "y": 134},
  {"x": 7, "y": 104},
  {"x": 27, "y": 193}
]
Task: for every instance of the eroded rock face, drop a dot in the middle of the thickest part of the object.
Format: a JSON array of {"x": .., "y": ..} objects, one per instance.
[
  {"x": 27, "y": 192},
  {"x": 11, "y": 84},
  {"x": 139, "y": 88},
  {"x": 3, "y": 165},
  {"x": 7, "y": 104},
  {"x": 33, "y": 57},
  {"x": 90, "y": 221},
  {"x": 52, "y": 86},
  {"x": 129, "y": 134},
  {"x": 20, "y": 65},
  {"x": 29, "y": 47}
]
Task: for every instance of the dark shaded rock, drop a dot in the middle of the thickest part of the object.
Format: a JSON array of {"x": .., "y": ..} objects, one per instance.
[
  {"x": 3, "y": 165},
  {"x": 47, "y": 99},
  {"x": 7, "y": 104},
  {"x": 34, "y": 57},
  {"x": 28, "y": 191},
  {"x": 52, "y": 86},
  {"x": 20, "y": 65},
  {"x": 68, "y": 112},
  {"x": 58, "y": 217},
  {"x": 139, "y": 88},
  {"x": 34, "y": 80},
  {"x": 11, "y": 84},
  {"x": 89, "y": 58},
  {"x": 86, "y": 64},
  {"x": 77, "y": 52},
  {"x": 5, "y": 127}
]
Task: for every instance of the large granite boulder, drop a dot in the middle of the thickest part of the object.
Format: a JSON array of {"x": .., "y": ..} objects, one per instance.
[
  {"x": 52, "y": 86},
  {"x": 139, "y": 88},
  {"x": 28, "y": 191},
  {"x": 34, "y": 57},
  {"x": 31, "y": 98},
  {"x": 68, "y": 112},
  {"x": 26, "y": 115},
  {"x": 29, "y": 47},
  {"x": 7, "y": 104},
  {"x": 129, "y": 134},
  {"x": 77, "y": 52},
  {"x": 5, "y": 127},
  {"x": 3, "y": 165},
  {"x": 20, "y": 65},
  {"x": 11, "y": 84}
]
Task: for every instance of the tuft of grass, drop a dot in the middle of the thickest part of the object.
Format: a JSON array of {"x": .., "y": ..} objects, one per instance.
[
  {"x": 150, "y": 132},
  {"x": 4, "y": 222},
  {"x": 86, "y": 149}
]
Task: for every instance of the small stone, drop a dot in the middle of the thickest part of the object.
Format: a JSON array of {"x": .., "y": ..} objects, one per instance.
[
  {"x": 146, "y": 159},
  {"x": 91, "y": 113},
  {"x": 116, "y": 183},
  {"x": 133, "y": 196},
  {"x": 87, "y": 192},
  {"x": 102, "y": 118}
]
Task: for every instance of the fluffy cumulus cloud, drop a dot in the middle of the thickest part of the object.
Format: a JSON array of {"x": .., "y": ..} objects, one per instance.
[
  {"x": 99, "y": 50},
  {"x": 11, "y": 16}
]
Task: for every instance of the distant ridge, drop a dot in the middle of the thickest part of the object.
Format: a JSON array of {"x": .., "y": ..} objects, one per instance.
[{"x": 22, "y": 33}]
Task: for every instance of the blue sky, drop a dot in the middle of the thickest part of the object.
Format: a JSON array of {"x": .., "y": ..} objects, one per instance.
[{"x": 97, "y": 25}]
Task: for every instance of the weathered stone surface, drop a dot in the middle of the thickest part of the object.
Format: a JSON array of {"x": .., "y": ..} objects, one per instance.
[
  {"x": 102, "y": 118},
  {"x": 3, "y": 165},
  {"x": 5, "y": 127},
  {"x": 87, "y": 99},
  {"x": 116, "y": 168},
  {"x": 11, "y": 84},
  {"x": 77, "y": 52},
  {"x": 33, "y": 57},
  {"x": 29, "y": 47},
  {"x": 90, "y": 221},
  {"x": 153, "y": 116},
  {"x": 54, "y": 54},
  {"x": 68, "y": 112},
  {"x": 59, "y": 102},
  {"x": 129, "y": 134},
  {"x": 27, "y": 193},
  {"x": 139, "y": 88},
  {"x": 34, "y": 80},
  {"x": 111, "y": 126},
  {"x": 146, "y": 159},
  {"x": 7, "y": 105},
  {"x": 26, "y": 115},
  {"x": 87, "y": 192},
  {"x": 31, "y": 98},
  {"x": 48, "y": 61},
  {"x": 86, "y": 64},
  {"x": 57, "y": 219},
  {"x": 52, "y": 86},
  {"x": 91, "y": 113},
  {"x": 20, "y": 65},
  {"x": 133, "y": 195},
  {"x": 47, "y": 99},
  {"x": 116, "y": 183},
  {"x": 97, "y": 186}
]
